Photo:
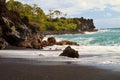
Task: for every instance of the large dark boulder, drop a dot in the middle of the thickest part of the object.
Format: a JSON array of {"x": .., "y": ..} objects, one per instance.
[{"x": 69, "y": 52}]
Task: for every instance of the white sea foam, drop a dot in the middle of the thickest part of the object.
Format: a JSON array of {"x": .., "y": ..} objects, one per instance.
[
  {"x": 90, "y": 32},
  {"x": 104, "y": 30},
  {"x": 88, "y": 49}
]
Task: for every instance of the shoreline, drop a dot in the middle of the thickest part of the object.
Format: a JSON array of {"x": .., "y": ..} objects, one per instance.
[
  {"x": 67, "y": 71},
  {"x": 39, "y": 45},
  {"x": 66, "y": 32}
]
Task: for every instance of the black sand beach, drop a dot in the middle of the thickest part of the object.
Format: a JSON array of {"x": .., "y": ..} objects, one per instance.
[{"x": 22, "y": 71}]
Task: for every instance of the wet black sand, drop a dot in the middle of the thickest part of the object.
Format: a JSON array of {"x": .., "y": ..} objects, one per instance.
[{"x": 16, "y": 69}]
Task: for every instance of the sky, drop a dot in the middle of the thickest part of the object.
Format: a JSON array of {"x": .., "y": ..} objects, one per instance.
[{"x": 105, "y": 13}]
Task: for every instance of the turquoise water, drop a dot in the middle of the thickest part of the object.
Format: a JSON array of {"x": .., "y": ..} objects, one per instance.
[{"x": 104, "y": 37}]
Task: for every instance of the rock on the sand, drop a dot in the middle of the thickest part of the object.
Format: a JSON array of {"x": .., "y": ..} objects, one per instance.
[{"x": 69, "y": 52}]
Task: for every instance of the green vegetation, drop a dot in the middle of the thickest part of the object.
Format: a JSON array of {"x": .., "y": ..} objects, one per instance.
[{"x": 54, "y": 21}]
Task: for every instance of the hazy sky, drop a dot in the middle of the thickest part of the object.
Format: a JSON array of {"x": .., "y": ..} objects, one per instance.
[{"x": 106, "y": 13}]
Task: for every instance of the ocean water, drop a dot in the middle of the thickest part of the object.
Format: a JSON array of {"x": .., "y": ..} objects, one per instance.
[
  {"x": 104, "y": 37},
  {"x": 100, "y": 49}
]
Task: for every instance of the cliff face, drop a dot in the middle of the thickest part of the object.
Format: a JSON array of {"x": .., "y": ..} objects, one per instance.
[
  {"x": 12, "y": 29},
  {"x": 85, "y": 25}
]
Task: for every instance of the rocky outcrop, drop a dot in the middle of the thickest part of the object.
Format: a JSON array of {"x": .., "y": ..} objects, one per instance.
[
  {"x": 85, "y": 24},
  {"x": 69, "y": 52},
  {"x": 33, "y": 41},
  {"x": 18, "y": 32},
  {"x": 12, "y": 29}
]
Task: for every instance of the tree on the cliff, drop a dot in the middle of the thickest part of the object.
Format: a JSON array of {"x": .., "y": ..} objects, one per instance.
[
  {"x": 50, "y": 14},
  {"x": 34, "y": 13},
  {"x": 57, "y": 13},
  {"x": 26, "y": 10},
  {"x": 54, "y": 14},
  {"x": 15, "y": 6},
  {"x": 10, "y": 4}
]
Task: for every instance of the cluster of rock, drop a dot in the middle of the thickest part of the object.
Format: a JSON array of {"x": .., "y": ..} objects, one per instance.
[
  {"x": 52, "y": 41},
  {"x": 33, "y": 41},
  {"x": 37, "y": 42}
]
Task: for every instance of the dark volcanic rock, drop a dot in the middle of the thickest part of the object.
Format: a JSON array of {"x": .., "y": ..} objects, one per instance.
[
  {"x": 66, "y": 42},
  {"x": 44, "y": 43},
  {"x": 3, "y": 43},
  {"x": 36, "y": 45},
  {"x": 13, "y": 29},
  {"x": 69, "y": 52},
  {"x": 0, "y": 31},
  {"x": 15, "y": 32},
  {"x": 33, "y": 41},
  {"x": 51, "y": 40},
  {"x": 25, "y": 44},
  {"x": 86, "y": 24}
]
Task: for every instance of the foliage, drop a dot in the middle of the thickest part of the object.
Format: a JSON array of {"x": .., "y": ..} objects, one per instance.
[{"x": 34, "y": 15}]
